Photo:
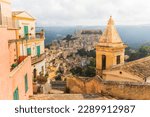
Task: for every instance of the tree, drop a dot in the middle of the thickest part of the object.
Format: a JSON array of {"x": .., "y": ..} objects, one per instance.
[
  {"x": 93, "y": 62},
  {"x": 89, "y": 72},
  {"x": 82, "y": 52},
  {"x": 58, "y": 78},
  {"x": 143, "y": 51},
  {"x": 76, "y": 71},
  {"x": 86, "y": 71}
]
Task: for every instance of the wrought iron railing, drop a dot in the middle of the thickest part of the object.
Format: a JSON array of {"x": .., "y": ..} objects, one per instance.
[
  {"x": 37, "y": 59},
  {"x": 38, "y": 35}
]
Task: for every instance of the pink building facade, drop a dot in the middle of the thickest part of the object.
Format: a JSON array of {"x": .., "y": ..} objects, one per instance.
[{"x": 15, "y": 71}]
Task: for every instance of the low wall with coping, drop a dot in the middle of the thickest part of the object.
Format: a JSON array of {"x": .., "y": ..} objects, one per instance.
[{"x": 119, "y": 90}]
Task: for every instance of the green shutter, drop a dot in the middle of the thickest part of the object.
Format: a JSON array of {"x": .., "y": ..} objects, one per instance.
[
  {"x": 26, "y": 83},
  {"x": 26, "y": 32},
  {"x": 28, "y": 51},
  {"x": 38, "y": 50},
  {"x": 16, "y": 94}
]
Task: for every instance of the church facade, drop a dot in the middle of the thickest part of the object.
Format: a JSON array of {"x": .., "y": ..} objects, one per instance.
[{"x": 110, "y": 54}]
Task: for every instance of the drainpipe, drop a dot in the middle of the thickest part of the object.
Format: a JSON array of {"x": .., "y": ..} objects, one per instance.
[
  {"x": 26, "y": 44},
  {"x": 17, "y": 50},
  {"x": 17, "y": 53}
]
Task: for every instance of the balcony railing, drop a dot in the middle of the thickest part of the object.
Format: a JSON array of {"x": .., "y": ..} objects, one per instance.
[
  {"x": 8, "y": 22},
  {"x": 38, "y": 35},
  {"x": 38, "y": 59}
]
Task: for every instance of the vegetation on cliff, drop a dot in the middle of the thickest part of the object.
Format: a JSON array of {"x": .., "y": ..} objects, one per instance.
[
  {"x": 143, "y": 51},
  {"x": 89, "y": 70},
  {"x": 85, "y": 71},
  {"x": 82, "y": 52}
]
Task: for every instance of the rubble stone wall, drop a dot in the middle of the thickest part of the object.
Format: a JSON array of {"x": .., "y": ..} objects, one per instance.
[
  {"x": 127, "y": 90},
  {"x": 119, "y": 90},
  {"x": 84, "y": 86}
]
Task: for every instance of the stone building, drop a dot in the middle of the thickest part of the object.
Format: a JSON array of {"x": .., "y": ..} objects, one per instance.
[
  {"x": 110, "y": 56},
  {"x": 135, "y": 71}
]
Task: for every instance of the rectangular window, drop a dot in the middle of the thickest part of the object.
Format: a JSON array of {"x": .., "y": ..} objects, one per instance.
[
  {"x": 28, "y": 51},
  {"x": 118, "y": 59},
  {"x": 26, "y": 83},
  {"x": 16, "y": 94},
  {"x": 38, "y": 50},
  {"x": 26, "y": 32}
]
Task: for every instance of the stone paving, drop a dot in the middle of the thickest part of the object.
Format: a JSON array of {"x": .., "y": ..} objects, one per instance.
[{"x": 69, "y": 97}]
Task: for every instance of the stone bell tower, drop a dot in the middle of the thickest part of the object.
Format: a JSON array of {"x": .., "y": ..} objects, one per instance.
[{"x": 110, "y": 49}]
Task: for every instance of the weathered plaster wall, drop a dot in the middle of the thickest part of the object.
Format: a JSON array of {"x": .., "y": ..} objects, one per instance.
[
  {"x": 17, "y": 78},
  {"x": 4, "y": 63}
]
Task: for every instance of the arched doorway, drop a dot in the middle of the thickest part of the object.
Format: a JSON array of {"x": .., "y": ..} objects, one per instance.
[
  {"x": 34, "y": 73},
  {"x": 103, "y": 62}
]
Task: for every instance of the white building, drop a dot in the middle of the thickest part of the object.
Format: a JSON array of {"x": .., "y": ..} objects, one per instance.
[{"x": 32, "y": 43}]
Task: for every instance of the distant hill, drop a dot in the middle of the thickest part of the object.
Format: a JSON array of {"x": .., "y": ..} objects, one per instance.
[{"x": 134, "y": 36}]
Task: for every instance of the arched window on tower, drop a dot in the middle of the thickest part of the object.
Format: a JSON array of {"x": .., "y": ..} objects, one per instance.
[
  {"x": 103, "y": 62},
  {"x": 118, "y": 59}
]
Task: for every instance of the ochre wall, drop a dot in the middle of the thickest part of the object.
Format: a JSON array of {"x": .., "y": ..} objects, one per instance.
[
  {"x": 122, "y": 90},
  {"x": 111, "y": 57},
  {"x": 119, "y": 75},
  {"x": 90, "y": 86},
  {"x": 75, "y": 85},
  {"x": 119, "y": 90}
]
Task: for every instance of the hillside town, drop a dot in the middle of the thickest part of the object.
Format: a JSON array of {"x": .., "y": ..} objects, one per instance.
[
  {"x": 90, "y": 64},
  {"x": 64, "y": 54}
]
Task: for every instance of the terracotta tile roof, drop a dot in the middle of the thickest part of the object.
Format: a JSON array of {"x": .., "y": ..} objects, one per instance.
[{"x": 139, "y": 67}]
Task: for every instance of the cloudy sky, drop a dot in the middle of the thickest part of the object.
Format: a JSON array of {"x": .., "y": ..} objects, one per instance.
[{"x": 86, "y": 12}]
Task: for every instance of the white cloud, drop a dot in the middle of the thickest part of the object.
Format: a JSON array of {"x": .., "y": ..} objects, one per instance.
[{"x": 85, "y": 12}]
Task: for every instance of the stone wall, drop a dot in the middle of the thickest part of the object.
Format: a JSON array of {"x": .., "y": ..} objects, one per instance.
[
  {"x": 126, "y": 90},
  {"x": 119, "y": 90},
  {"x": 59, "y": 85},
  {"x": 76, "y": 85},
  {"x": 84, "y": 86}
]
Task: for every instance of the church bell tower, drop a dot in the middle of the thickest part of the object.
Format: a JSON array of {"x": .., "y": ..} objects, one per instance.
[{"x": 110, "y": 49}]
